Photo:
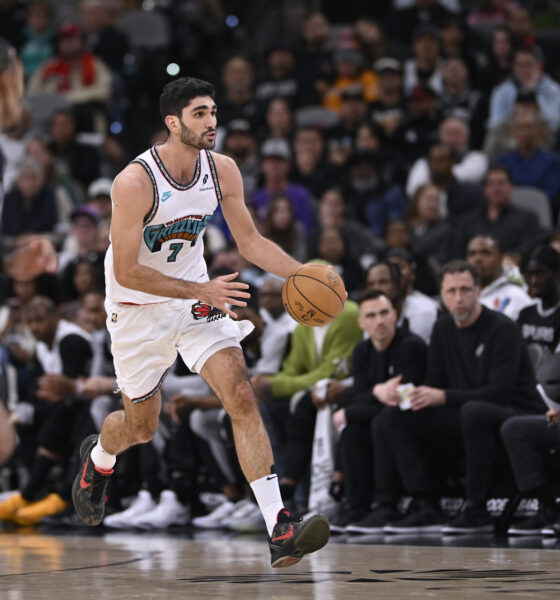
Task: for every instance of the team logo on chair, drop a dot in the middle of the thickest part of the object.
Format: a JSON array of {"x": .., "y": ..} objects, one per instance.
[{"x": 200, "y": 311}]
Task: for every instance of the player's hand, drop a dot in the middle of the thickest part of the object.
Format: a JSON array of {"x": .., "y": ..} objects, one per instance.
[
  {"x": 386, "y": 392},
  {"x": 424, "y": 396},
  {"x": 38, "y": 256},
  {"x": 223, "y": 291}
]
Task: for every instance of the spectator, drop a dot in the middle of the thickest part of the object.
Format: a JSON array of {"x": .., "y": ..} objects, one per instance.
[
  {"x": 275, "y": 165},
  {"x": 310, "y": 359},
  {"x": 280, "y": 80},
  {"x": 99, "y": 196},
  {"x": 281, "y": 227},
  {"x": 12, "y": 147},
  {"x": 236, "y": 100},
  {"x": 389, "y": 109},
  {"x": 387, "y": 357},
  {"x": 81, "y": 160},
  {"x": 497, "y": 291},
  {"x": 530, "y": 164},
  {"x": 402, "y": 21},
  {"x": 470, "y": 165},
  {"x": 513, "y": 228},
  {"x": 489, "y": 13},
  {"x": 39, "y": 33},
  {"x": 83, "y": 237},
  {"x": 240, "y": 143},
  {"x": 78, "y": 75},
  {"x": 527, "y": 76},
  {"x": 30, "y": 207},
  {"x": 373, "y": 40},
  {"x": 431, "y": 236},
  {"x": 425, "y": 67},
  {"x": 540, "y": 322},
  {"x": 463, "y": 399},
  {"x": 310, "y": 168},
  {"x": 278, "y": 119}
]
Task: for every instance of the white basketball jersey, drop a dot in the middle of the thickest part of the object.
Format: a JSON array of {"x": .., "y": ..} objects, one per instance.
[{"x": 172, "y": 232}]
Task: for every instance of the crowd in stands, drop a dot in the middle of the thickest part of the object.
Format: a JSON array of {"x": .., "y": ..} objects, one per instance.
[{"x": 413, "y": 144}]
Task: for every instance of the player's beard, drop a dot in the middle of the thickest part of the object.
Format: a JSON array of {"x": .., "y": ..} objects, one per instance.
[{"x": 189, "y": 138}]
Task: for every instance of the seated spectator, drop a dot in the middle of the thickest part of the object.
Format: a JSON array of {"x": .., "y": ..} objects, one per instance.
[
  {"x": 236, "y": 100},
  {"x": 389, "y": 109},
  {"x": 78, "y": 75},
  {"x": 387, "y": 357},
  {"x": 280, "y": 80},
  {"x": 310, "y": 167},
  {"x": 316, "y": 353},
  {"x": 30, "y": 206},
  {"x": 278, "y": 119},
  {"x": 275, "y": 165},
  {"x": 458, "y": 99},
  {"x": 13, "y": 143},
  {"x": 281, "y": 227},
  {"x": 413, "y": 138},
  {"x": 99, "y": 196},
  {"x": 513, "y": 228},
  {"x": 469, "y": 167},
  {"x": 489, "y": 13},
  {"x": 39, "y": 34},
  {"x": 81, "y": 160},
  {"x": 375, "y": 199},
  {"x": 527, "y": 76},
  {"x": 497, "y": 291},
  {"x": 540, "y": 322},
  {"x": 240, "y": 143},
  {"x": 402, "y": 20},
  {"x": 465, "y": 399},
  {"x": 349, "y": 73},
  {"x": 529, "y": 163},
  {"x": 430, "y": 236},
  {"x": 499, "y": 59},
  {"x": 82, "y": 240},
  {"x": 499, "y": 139},
  {"x": 386, "y": 277},
  {"x": 425, "y": 67},
  {"x": 333, "y": 212},
  {"x": 373, "y": 40}
]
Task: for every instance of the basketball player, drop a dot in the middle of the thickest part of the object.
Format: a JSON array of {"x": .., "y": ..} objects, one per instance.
[{"x": 160, "y": 302}]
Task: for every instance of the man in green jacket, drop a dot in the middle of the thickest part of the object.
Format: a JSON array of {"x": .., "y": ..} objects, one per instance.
[{"x": 316, "y": 354}]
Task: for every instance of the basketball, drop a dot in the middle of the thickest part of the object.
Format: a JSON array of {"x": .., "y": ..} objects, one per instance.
[{"x": 314, "y": 294}]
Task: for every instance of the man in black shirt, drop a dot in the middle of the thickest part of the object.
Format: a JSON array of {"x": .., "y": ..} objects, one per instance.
[
  {"x": 540, "y": 322},
  {"x": 389, "y": 357},
  {"x": 479, "y": 374}
]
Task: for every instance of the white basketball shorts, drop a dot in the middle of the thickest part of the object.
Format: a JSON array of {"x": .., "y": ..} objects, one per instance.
[{"x": 145, "y": 340}]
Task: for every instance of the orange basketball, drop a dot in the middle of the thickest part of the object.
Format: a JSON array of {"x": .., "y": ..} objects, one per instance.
[{"x": 314, "y": 294}]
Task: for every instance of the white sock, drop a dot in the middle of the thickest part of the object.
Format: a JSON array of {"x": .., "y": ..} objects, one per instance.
[
  {"x": 101, "y": 458},
  {"x": 267, "y": 494}
]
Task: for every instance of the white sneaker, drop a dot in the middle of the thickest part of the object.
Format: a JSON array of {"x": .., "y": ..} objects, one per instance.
[
  {"x": 214, "y": 519},
  {"x": 241, "y": 508},
  {"x": 143, "y": 503},
  {"x": 168, "y": 512},
  {"x": 250, "y": 521}
]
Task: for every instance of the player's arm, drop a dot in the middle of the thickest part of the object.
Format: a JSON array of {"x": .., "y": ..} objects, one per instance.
[
  {"x": 252, "y": 245},
  {"x": 132, "y": 200}
]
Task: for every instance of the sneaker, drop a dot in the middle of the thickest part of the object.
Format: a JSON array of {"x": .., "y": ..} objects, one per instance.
[
  {"x": 345, "y": 517},
  {"x": 169, "y": 511},
  {"x": 10, "y": 506},
  {"x": 36, "y": 511},
  {"x": 249, "y": 521},
  {"x": 124, "y": 519},
  {"x": 214, "y": 519},
  {"x": 90, "y": 486},
  {"x": 533, "y": 525},
  {"x": 292, "y": 538},
  {"x": 548, "y": 530},
  {"x": 240, "y": 510},
  {"x": 421, "y": 517},
  {"x": 470, "y": 520},
  {"x": 375, "y": 521}
]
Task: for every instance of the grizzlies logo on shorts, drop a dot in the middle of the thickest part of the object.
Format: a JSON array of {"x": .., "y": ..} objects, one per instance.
[{"x": 200, "y": 310}]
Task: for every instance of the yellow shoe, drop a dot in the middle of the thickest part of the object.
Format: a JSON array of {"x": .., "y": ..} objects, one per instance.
[
  {"x": 11, "y": 505},
  {"x": 50, "y": 505}
]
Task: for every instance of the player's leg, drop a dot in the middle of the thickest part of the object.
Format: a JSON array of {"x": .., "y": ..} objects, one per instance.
[
  {"x": 136, "y": 424},
  {"x": 290, "y": 538}
]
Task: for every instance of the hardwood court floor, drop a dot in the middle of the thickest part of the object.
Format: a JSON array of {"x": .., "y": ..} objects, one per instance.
[{"x": 35, "y": 566}]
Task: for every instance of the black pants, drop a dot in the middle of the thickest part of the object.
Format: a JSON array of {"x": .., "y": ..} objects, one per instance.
[
  {"x": 301, "y": 428},
  {"x": 528, "y": 439},
  {"x": 441, "y": 433}
]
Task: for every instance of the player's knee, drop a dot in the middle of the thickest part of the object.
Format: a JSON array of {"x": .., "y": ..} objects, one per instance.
[{"x": 143, "y": 431}]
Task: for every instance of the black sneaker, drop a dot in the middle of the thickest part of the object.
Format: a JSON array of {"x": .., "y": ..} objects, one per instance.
[
  {"x": 90, "y": 486},
  {"x": 421, "y": 517},
  {"x": 375, "y": 521},
  {"x": 470, "y": 520},
  {"x": 534, "y": 525},
  {"x": 292, "y": 538},
  {"x": 345, "y": 517}
]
